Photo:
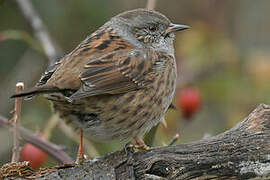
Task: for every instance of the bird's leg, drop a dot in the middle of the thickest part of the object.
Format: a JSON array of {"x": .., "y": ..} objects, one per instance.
[
  {"x": 140, "y": 144},
  {"x": 80, "y": 156}
]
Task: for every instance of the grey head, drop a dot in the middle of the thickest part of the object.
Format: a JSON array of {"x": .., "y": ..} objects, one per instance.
[{"x": 147, "y": 29}]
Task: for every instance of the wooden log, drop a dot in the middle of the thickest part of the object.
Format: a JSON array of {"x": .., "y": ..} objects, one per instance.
[{"x": 242, "y": 152}]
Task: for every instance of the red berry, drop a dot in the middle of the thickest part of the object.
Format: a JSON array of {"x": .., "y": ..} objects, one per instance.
[
  {"x": 34, "y": 155},
  {"x": 189, "y": 101}
]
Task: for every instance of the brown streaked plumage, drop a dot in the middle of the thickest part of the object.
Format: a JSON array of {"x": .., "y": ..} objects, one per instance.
[{"x": 119, "y": 82}]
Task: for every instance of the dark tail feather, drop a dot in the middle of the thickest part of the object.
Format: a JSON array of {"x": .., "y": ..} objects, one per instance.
[{"x": 36, "y": 90}]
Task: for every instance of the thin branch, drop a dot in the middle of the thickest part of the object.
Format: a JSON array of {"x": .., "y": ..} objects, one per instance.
[
  {"x": 53, "y": 150},
  {"x": 52, "y": 52},
  {"x": 40, "y": 29},
  {"x": 173, "y": 140},
  {"x": 53, "y": 121},
  {"x": 151, "y": 4},
  {"x": 16, "y": 121}
]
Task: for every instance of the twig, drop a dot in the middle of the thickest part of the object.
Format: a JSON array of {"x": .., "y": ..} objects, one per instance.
[
  {"x": 52, "y": 149},
  {"x": 149, "y": 138},
  {"x": 151, "y": 4},
  {"x": 21, "y": 36},
  {"x": 173, "y": 140},
  {"x": 188, "y": 77},
  {"x": 52, "y": 123},
  {"x": 16, "y": 126},
  {"x": 164, "y": 123},
  {"x": 40, "y": 29}
]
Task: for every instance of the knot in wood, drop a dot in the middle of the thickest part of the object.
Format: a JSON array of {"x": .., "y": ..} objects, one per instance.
[{"x": 160, "y": 168}]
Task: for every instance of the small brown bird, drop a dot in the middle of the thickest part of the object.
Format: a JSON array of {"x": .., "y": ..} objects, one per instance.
[{"x": 119, "y": 82}]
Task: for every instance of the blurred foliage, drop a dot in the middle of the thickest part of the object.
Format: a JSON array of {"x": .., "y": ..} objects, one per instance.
[{"x": 234, "y": 36}]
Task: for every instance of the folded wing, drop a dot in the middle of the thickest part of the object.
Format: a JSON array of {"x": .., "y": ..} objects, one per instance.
[{"x": 117, "y": 73}]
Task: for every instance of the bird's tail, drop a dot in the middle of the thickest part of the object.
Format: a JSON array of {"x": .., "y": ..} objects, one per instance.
[{"x": 44, "y": 89}]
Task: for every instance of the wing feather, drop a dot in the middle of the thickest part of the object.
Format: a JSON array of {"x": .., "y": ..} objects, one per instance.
[{"x": 117, "y": 73}]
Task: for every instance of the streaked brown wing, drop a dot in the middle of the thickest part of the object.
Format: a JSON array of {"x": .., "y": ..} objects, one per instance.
[
  {"x": 117, "y": 73},
  {"x": 103, "y": 41}
]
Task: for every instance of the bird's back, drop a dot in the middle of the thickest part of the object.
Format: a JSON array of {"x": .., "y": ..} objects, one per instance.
[{"x": 68, "y": 70}]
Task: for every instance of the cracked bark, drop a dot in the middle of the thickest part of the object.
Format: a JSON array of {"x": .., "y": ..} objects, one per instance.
[{"x": 242, "y": 152}]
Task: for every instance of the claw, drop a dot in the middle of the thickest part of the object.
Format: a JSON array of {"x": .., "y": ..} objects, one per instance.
[{"x": 140, "y": 145}]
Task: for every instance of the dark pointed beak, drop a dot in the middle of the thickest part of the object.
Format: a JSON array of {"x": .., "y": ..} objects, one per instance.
[{"x": 176, "y": 27}]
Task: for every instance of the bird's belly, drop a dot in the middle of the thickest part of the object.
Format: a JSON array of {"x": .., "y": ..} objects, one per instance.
[
  {"x": 115, "y": 117},
  {"x": 123, "y": 116},
  {"x": 132, "y": 119}
]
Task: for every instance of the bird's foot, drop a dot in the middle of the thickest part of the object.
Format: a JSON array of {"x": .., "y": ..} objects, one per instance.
[
  {"x": 140, "y": 145},
  {"x": 80, "y": 159}
]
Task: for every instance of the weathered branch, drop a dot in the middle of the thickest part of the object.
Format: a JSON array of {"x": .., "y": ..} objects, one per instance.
[
  {"x": 40, "y": 30},
  {"x": 151, "y": 4},
  {"x": 16, "y": 125},
  {"x": 52, "y": 149},
  {"x": 240, "y": 153}
]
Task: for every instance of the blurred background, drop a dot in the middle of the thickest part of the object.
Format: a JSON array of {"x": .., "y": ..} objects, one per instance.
[{"x": 223, "y": 64}]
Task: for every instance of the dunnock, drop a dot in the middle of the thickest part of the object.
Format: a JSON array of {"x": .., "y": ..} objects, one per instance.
[{"x": 120, "y": 81}]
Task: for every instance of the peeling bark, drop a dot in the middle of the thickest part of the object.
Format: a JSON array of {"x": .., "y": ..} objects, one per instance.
[{"x": 242, "y": 152}]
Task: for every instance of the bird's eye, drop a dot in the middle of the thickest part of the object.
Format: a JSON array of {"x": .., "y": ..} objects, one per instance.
[{"x": 152, "y": 28}]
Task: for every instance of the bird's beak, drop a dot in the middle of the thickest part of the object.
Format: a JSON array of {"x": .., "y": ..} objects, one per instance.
[{"x": 176, "y": 27}]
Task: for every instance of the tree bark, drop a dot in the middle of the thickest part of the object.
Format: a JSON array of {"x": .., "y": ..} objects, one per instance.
[{"x": 242, "y": 152}]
